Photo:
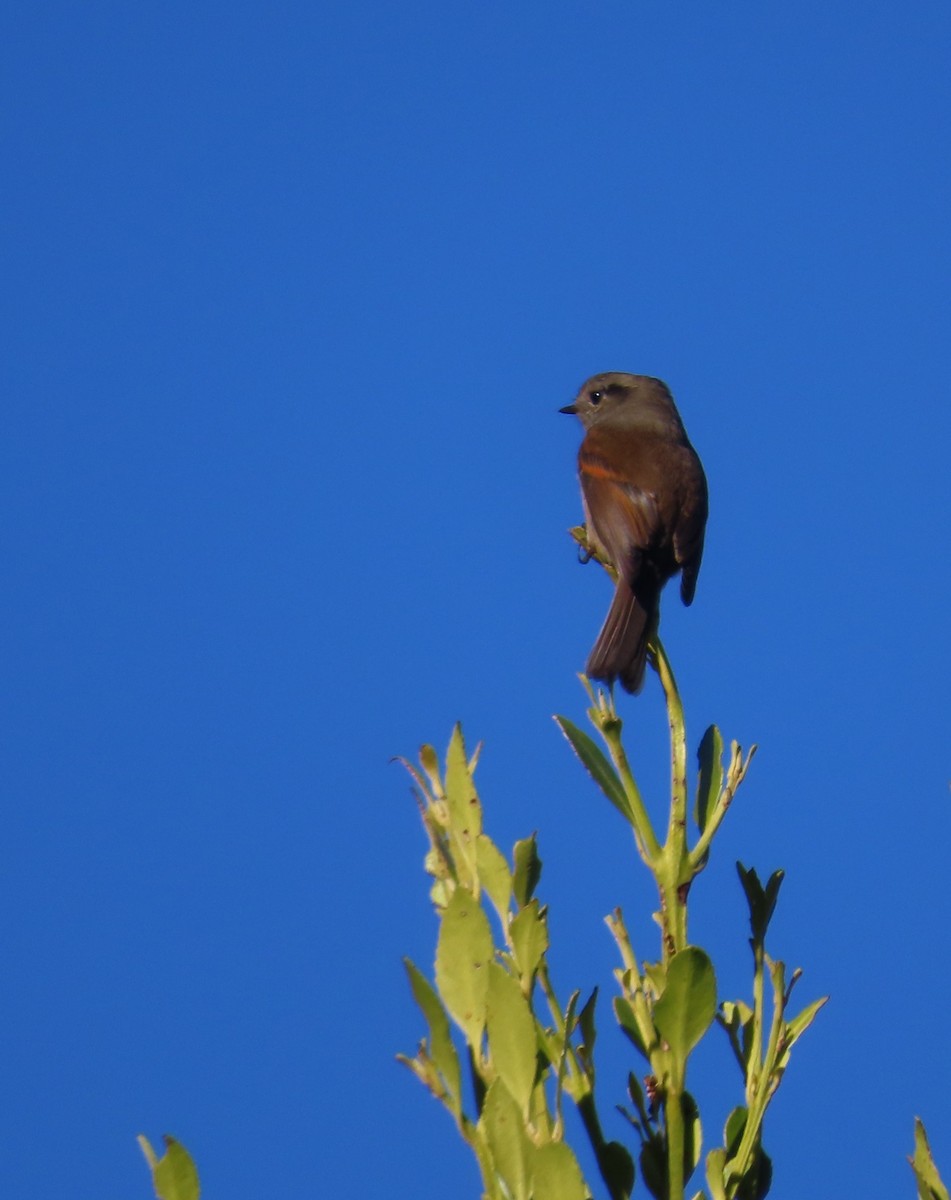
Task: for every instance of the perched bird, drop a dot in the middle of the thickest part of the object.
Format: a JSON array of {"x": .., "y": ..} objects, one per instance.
[{"x": 645, "y": 504}]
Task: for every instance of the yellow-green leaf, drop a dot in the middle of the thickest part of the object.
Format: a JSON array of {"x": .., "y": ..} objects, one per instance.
[
  {"x": 494, "y": 874},
  {"x": 557, "y": 1175},
  {"x": 930, "y": 1185},
  {"x": 441, "y": 1050},
  {"x": 512, "y": 1041},
  {"x": 430, "y": 764},
  {"x": 799, "y": 1024},
  {"x": 716, "y": 1161},
  {"x": 529, "y": 934},
  {"x": 504, "y": 1132},
  {"x": 174, "y": 1175},
  {"x": 465, "y": 812},
  {"x": 463, "y": 954}
]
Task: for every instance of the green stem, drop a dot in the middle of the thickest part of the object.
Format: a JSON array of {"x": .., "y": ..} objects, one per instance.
[
  {"x": 759, "y": 1066},
  {"x": 677, "y": 830},
  {"x": 674, "y": 871},
  {"x": 754, "y": 1123},
  {"x": 756, "y": 1048},
  {"x": 674, "y": 1112},
  {"x": 647, "y": 843}
]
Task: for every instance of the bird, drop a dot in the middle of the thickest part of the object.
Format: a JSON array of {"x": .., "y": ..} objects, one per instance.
[{"x": 645, "y": 502}]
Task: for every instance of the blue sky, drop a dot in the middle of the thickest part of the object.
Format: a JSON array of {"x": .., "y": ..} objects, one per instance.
[{"x": 291, "y": 296}]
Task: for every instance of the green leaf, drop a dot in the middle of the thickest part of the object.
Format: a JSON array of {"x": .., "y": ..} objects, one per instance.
[
  {"x": 930, "y": 1185},
  {"x": 716, "y": 1161},
  {"x": 506, "y": 1139},
  {"x": 441, "y": 1049},
  {"x": 686, "y": 1009},
  {"x": 624, "y": 1014},
  {"x": 733, "y": 1129},
  {"x": 174, "y": 1175},
  {"x": 736, "y": 1018},
  {"x": 540, "y": 1119},
  {"x": 597, "y": 766},
  {"x": 741, "y": 1029},
  {"x": 494, "y": 874},
  {"x": 529, "y": 933},
  {"x": 511, "y": 1030},
  {"x": 710, "y": 778},
  {"x": 528, "y": 870},
  {"x": 557, "y": 1175},
  {"x": 463, "y": 953},
  {"x": 799, "y": 1024},
  {"x": 556, "y": 1048}
]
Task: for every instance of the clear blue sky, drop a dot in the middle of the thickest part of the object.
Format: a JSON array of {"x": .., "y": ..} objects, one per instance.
[{"x": 291, "y": 296}]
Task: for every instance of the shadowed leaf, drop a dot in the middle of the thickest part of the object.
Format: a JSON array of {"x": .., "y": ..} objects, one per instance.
[
  {"x": 761, "y": 901},
  {"x": 528, "y": 870}
]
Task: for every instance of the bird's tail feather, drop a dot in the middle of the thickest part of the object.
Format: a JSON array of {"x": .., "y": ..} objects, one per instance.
[{"x": 621, "y": 649}]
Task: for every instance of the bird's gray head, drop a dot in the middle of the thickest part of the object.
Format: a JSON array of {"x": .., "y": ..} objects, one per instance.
[{"x": 615, "y": 398}]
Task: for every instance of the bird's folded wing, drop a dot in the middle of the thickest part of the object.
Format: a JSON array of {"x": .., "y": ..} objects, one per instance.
[{"x": 624, "y": 517}]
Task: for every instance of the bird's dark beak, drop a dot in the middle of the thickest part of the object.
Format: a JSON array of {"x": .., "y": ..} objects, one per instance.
[{"x": 570, "y": 409}]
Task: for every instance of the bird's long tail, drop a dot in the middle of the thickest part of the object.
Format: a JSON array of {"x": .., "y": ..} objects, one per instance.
[{"x": 621, "y": 649}]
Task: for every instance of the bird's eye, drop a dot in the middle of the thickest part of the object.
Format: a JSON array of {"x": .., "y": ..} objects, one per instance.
[{"x": 595, "y": 397}]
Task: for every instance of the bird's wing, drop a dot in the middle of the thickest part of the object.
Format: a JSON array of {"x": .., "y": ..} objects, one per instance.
[
  {"x": 623, "y": 519},
  {"x": 691, "y": 524}
]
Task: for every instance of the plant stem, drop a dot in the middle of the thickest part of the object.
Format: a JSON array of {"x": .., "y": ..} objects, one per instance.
[
  {"x": 647, "y": 843},
  {"x": 677, "y": 830},
  {"x": 674, "y": 871},
  {"x": 674, "y": 1112}
]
